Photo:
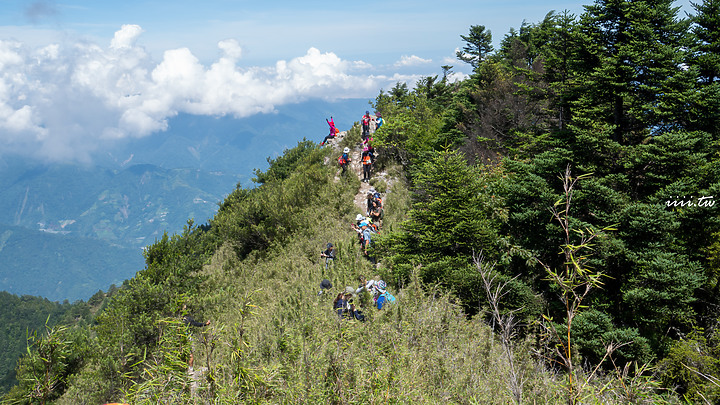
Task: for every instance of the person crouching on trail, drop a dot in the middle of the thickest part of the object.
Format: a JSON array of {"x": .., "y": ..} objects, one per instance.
[
  {"x": 344, "y": 159},
  {"x": 333, "y": 131},
  {"x": 344, "y": 305},
  {"x": 367, "y": 160},
  {"x": 382, "y": 296},
  {"x": 328, "y": 254}
]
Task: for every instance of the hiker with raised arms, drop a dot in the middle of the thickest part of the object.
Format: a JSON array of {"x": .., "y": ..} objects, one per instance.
[{"x": 333, "y": 131}]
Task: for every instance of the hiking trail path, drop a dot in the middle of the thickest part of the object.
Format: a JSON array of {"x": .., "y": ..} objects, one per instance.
[{"x": 355, "y": 166}]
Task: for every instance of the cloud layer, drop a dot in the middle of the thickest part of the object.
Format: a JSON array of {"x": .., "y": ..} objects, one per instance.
[{"x": 64, "y": 101}]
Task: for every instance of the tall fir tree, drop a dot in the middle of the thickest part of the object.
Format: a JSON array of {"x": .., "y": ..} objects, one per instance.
[{"x": 632, "y": 66}]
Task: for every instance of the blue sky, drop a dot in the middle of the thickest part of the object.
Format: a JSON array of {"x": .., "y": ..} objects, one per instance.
[
  {"x": 377, "y": 31},
  {"x": 77, "y": 73}
]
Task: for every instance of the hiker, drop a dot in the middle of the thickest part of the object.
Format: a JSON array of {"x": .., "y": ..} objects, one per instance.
[
  {"x": 189, "y": 321},
  {"x": 366, "y": 125},
  {"x": 367, "y": 237},
  {"x": 377, "y": 200},
  {"x": 378, "y": 120},
  {"x": 356, "y": 227},
  {"x": 328, "y": 254},
  {"x": 333, "y": 131},
  {"x": 344, "y": 305},
  {"x": 370, "y": 201},
  {"x": 366, "y": 142},
  {"x": 376, "y": 215},
  {"x": 367, "y": 161},
  {"x": 382, "y": 297},
  {"x": 359, "y": 231},
  {"x": 376, "y": 212},
  {"x": 325, "y": 285},
  {"x": 367, "y": 285},
  {"x": 344, "y": 159}
]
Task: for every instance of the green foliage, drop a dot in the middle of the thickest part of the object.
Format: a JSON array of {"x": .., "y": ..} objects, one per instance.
[
  {"x": 282, "y": 166},
  {"x": 27, "y": 315},
  {"x": 633, "y": 51},
  {"x": 453, "y": 214},
  {"x": 693, "y": 364},
  {"x": 619, "y": 91},
  {"x": 411, "y": 130},
  {"x": 478, "y": 44},
  {"x": 253, "y": 220},
  {"x": 164, "y": 377},
  {"x": 594, "y": 330},
  {"x": 51, "y": 358},
  {"x": 706, "y": 52}
]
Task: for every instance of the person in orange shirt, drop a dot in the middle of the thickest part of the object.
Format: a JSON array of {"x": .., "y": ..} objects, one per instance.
[{"x": 367, "y": 161}]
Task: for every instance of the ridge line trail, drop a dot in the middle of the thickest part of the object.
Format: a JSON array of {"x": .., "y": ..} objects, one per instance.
[{"x": 355, "y": 166}]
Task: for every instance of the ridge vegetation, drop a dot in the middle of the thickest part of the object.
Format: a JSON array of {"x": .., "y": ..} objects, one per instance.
[{"x": 551, "y": 236}]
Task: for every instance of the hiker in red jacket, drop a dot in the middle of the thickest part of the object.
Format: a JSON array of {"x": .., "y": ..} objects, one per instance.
[{"x": 365, "y": 125}]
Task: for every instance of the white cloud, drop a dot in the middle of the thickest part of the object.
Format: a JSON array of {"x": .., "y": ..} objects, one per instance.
[
  {"x": 63, "y": 101},
  {"x": 412, "y": 60},
  {"x": 126, "y": 37}
]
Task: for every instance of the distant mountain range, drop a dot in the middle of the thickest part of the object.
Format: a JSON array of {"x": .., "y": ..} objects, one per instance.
[{"x": 68, "y": 230}]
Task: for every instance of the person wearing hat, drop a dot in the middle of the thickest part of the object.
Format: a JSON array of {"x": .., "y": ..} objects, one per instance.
[
  {"x": 328, "y": 254},
  {"x": 382, "y": 297},
  {"x": 365, "y": 125},
  {"x": 378, "y": 120},
  {"x": 356, "y": 227},
  {"x": 325, "y": 284},
  {"x": 344, "y": 305},
  {"x": 367, "y": 161},
  {"x": 367, "y": 236},
  {"x": 345, "y": 159},
  {"x": 370, "y": 201}
]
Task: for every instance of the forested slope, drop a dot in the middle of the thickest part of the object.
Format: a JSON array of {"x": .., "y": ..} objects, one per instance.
[{"x": 552, "y": 238}]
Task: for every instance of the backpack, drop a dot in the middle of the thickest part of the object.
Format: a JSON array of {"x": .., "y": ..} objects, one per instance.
[
  {"x": 342, "y": 161},
  {"x": 337, "y": 131},
  {"x": 373, "y": 228},
  {"x": 389, "y": 298}
]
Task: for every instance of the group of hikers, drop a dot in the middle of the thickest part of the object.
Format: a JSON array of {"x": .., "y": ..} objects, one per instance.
[
  {"x": 368, "y": 152},
  {"x": 366, "y": 226},
  {"x": 348, "y": 301}
]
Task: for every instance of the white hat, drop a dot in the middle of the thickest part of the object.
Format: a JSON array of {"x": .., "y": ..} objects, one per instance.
[
  {"x": 346, "y": 150},
  {"x": 359, "y": 217}
]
